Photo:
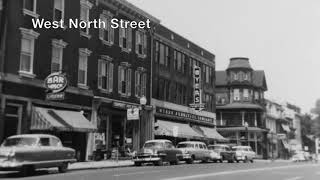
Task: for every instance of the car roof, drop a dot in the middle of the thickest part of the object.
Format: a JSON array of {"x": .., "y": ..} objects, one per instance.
[
  {"x": 191, "y": 142},
  {"x": 158, "y": 140},
  {"x": 241, "y": 147},
  {"x": 32, "y": 136},
  {"x": 222, "y": 145}
]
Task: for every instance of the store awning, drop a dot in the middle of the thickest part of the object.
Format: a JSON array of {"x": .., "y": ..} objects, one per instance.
[
  {"x": 60, "y": 120},
  {"x": 285, "y": 127},
  {"x": 212, "y": 133},
  {"x": 285, "y": 144},
  {"x": 167, "y": 128},
  {"x": 241, "y": 128}
]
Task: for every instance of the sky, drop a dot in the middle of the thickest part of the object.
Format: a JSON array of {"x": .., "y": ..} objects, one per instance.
[{"x": 281, "y": 37}]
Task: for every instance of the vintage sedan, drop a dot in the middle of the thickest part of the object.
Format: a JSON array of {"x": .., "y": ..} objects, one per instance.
[
  {"x": 158, "y": 152},
  {"x": 198, "y": 151},
  {"x": 222, "y": 150},
  {"x": 28, "y": 152},
  {"x": 239, "y": 153}
]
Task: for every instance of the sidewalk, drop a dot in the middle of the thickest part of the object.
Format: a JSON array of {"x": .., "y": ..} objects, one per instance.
[{"x": 100, "y": 164}]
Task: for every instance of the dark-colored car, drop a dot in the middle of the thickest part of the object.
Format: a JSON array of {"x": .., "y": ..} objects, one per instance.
[
  {"x": 28, "y": 152},
  {"x": 221, "y": 149},
  {"x": 158, "y": 152}
]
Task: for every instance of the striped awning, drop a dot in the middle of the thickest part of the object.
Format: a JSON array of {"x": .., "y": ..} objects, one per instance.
[
  {"x": 60, "y": 120},
  {"x": 212, "y": 133}
]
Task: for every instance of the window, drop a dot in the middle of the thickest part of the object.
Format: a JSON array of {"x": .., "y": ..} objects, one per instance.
[
  {"x": 1, "y": 5},
  {"x": 234, "y": 76},
  {"x": 247, "y": 76},
  {"x": 106, "y": 33},
  {"x": 162, "y": 54},
  {"x": 168, "y": 145},
  {"x": 55, "y": 142},
  {"x": 85, "y": 7},
  {"x": 58, "y": 11},
  {"x": 207, "y": 74},
  {"x": 105, "y": 74},
  {"x": 191, "y": 66},
  {"x": 236, "y": 94},
  {"x": 179, "y": 61},
  {"x": 245, "y": 94},
  {"x": 27, "y": 52},
  {"x": 30, "y": 8},
  {"x": 124, "y": 76},
  {"x": 83, "y": 66},
  {"x": 256, "y": 95},
  {"x": 183, "y": 63},
  {"x": 125, "y": 38},
  {"x": 44, "y": 142},
  {"x": 57, "y": 55},
  {"x": 140, "y": 83},
  {"x": 141, "y": 43}
]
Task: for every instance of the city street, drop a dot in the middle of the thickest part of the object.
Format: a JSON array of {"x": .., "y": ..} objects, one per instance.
[{"x": 217, "y": 171}]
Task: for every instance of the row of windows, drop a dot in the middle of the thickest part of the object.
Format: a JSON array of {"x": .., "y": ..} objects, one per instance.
[
  {"x": 106, "y": 33},
  {"x": 181, "y": 62},
  {"x": 239, "y": 95},
  {"x": 240, "y": 76}
]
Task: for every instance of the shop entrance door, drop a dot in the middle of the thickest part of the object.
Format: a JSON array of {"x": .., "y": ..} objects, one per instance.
[{"x": 12, "y": 119}]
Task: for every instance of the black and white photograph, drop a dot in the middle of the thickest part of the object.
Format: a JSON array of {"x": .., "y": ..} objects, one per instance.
[{"x": 159, "y": 89}]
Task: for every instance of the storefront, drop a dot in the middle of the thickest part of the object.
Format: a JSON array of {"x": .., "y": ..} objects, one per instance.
[{"x": 180, "y": 123}]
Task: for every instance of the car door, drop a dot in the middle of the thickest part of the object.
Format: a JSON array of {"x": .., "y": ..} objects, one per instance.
[
  {"x": 46, "y": 151},
  {"x": 206, "y": 151},
  {"x": 168, "y": 149},
  {"x": 58, "y": 149},
  {"x": 196, "y": 151},
  {"x": 251, "y": 153}
]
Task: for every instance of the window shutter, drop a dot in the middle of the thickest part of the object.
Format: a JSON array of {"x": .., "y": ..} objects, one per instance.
[
  {"x": 110, "y": 77},
  {"x": 128, "y": 82},
  {"x": 145, "y": 44},
  {"x": 111, "y": 30},
  {"x": 99, "y": 74},
  {"x": 121, "y": 36},
  {"x": 144, "y": 85},
  {"x": 137, "y": 45},
  {"x": 119, "y": 79},
  {"x": 129, "y": 42},
  {"x": 136, "y": 89}
]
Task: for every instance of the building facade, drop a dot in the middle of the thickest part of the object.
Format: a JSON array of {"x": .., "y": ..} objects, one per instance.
[
  {"x": 107, "y": 71},
  {"x": 240, "y": 105},
  {"x": 173, "y": 88}
]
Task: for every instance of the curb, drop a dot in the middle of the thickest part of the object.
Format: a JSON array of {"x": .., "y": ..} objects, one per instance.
[{"x": 100, "y": 167}]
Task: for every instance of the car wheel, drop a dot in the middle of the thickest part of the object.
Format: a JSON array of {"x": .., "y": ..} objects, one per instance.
[
  {"x": 63, "y": 168},
  {"x": 220, "y": 160},
  {"x": 215, "y": 161},
  {"x": 245, "y": 159},
  {"x": 190, "y": 161},
  {"x": 159, "y": 163},
  {"x": 27, "y": 171},
  {"x": 251, "y": 160},
  {"x": 175, "y": 162},
  {"x": 137, "y": 163}
]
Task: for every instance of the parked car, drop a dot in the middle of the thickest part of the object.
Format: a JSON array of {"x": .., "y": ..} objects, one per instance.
[
  {"x": 158, "y": 152},
  {"x": 28, "y": 152},
  {"x": 299, "y": 156},
  {"x": 197, "y": 151},
  {"x": 220, "y": 149},
  {"x": 244, "y": 153}
]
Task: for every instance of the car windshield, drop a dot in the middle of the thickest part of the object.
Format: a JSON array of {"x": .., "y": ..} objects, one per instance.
[
  {"x": 237, "y": 148},
  {"x": 185, "y": 145},
  {"x": 215, "y": 147},
  {"x": 153, "y": 145},
  {"x": 20, "y": 141}
]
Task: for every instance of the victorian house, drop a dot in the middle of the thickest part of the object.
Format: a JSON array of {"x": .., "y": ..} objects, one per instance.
[{"x": 240, "y": 105}]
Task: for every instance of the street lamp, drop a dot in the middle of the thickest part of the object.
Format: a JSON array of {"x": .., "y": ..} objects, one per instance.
[
  {"x": 143, "y": 102},
  {"x": 246, "y": 125}
]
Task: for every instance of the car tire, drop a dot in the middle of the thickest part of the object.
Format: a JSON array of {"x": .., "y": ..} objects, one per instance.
[
  {"x": 245, "y": 159},
  {"x": 190, "y": 161},
  {"x": 137, "y": 163},
  {"x": 251, "y": 160},
  {"x": 27, "y": 171},
  {"x": 159, "y": 163},
  {"x": 63, "y": 167},
  {"x": 215, "y": 161},
  {"x": 220, "y": 160},
  {"x": 175, "y": 162}
]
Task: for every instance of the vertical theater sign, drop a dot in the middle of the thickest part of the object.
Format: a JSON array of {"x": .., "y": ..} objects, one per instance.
[
  {"x": 197, "y": 100},
  {"x": 56, "y": 84}
]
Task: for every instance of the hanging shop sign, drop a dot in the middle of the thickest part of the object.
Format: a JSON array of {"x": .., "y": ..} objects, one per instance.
[
  {"x": 133, "y": 113},
  {"x": 197, "y": 100},
  {"x": 184, "y": 115},
  {"x": 55, "y": 84}
]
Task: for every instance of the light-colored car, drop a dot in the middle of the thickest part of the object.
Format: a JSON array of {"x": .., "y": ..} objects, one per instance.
[
  {"x": 158, "y": 152},
  {"x": 28, "y": 152},
  {"x": 197, "y": 150},
  {"x": 243, "y": 153},
  {"x": 221, "y": 149}
]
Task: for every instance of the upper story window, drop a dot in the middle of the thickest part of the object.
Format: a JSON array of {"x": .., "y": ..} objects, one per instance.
[
  {"x": 58, "y": 11},
  {"x": 84, "y": 53},
  {"x": 247, "y": 76},
  {"x": 236, "y": 94},
  {"x": 105, "y": 74},
  {"x": 140, "y": 82},
  {"x": 207, "y": 74},
  {"x": 106, "y": 33},
  {"x": 141, "y": 43},
  {"x": 124, "y": 80},
  {"x": 179, "y": 61},
  {"x": 57, "y": 55},
  {"x": 125, "y": 39},
  {"x": 30, "y": 8},
  {"x": 256, "y": 95},
  {"x": 162, "y": 54},
  {"x": 1, "y": 6},
  {"x": 235, "y": 76},
  {"x": 85, "y": 7},
  {"x": 27, "y": 52},
  {"x": 245, "y": 94}
]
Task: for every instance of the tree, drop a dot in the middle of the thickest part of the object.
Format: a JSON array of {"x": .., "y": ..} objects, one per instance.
[
  {"x": 316, "y": 122},
  {"x": 307, "y": 132}
]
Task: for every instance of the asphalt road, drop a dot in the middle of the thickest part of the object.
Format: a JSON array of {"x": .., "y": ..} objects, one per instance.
[{"x": 206, "y": 171}]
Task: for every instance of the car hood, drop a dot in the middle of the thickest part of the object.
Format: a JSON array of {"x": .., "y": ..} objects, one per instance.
[{"x": 148, "y": 150}]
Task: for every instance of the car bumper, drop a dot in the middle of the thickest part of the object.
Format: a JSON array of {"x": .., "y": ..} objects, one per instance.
[
  {"x": 184, "y": 157},
  {"x": 9, "y": 166},
  {"x": 146, "y": 158}
]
